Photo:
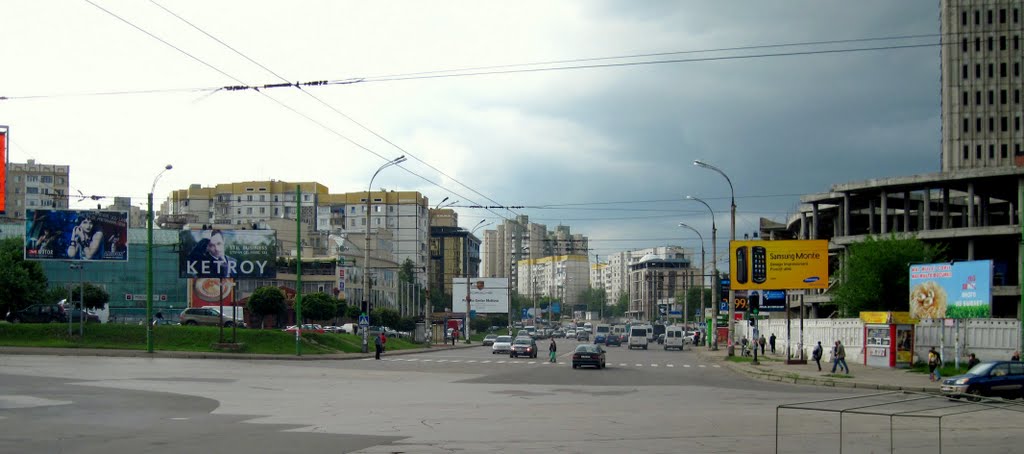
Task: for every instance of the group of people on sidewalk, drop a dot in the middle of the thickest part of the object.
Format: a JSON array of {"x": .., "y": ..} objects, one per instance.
[
  {"x": 760, "y": 342},
  {"x": 838, "y": 357}
]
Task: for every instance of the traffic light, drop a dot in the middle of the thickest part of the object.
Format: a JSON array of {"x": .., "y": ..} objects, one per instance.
[{"x": 755, "y": 302}]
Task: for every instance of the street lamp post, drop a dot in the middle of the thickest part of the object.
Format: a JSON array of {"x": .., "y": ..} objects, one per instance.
[
  {"x": 702, "y": 275},
  {"x": 366, "y": 246},
  {"x": 149, "y": 260},
  {"x": 465, "y": 260},
  {"x": 713, "y": 344},
  {"x": 732, "y": 237}
]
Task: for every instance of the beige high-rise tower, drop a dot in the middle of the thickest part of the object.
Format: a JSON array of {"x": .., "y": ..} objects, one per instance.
[{"x": 982, "y": 58}]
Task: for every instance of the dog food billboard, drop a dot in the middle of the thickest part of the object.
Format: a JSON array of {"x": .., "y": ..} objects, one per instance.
[{"x": 951, "y": 290}]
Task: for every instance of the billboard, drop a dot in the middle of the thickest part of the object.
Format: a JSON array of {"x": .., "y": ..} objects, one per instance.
[
  {"x": 951, "y": 290},
  {"x": 778, "y": 265},
  {"x": 3, "y": 169},
  {"x": 772, "y": 300},
  {"x": 242, "y": 254},
  {"x": 76, "y": 235},
  {"x": 488, "y": 295},
  {"x": 210, "y": 291}
]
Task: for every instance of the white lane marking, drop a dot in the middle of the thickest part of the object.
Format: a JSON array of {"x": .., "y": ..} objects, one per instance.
[
  {"x": 561, "y": 362},
  {"x": 670, "y": 365},
  {"x": 686, "y": 365},
  {"x": 442, "y": 360},
  {"x": 532, "y": 362},
  {"x": 716, "y": 365},
  {"x": 427, "y": 360},
  {"x": 639, "y": 365},
  {"x": 456, "y": 361},
  {"x": 654, "y": 365},
  {"x": 485, "y": 362},
  {"x": 179, "y": 419},
  {"x": 622, "y": 364},
  {"x": 501, "y": 362},
  {"x": 702, "y": 365},
  {"x": 413, "y": 359},
  {"x": 470, "y": 360}
]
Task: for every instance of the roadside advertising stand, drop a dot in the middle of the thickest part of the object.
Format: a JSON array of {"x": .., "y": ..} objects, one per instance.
[{"x": 888, "y": 339}]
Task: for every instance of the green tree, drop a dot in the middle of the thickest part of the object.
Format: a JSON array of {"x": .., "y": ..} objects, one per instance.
[
  {"x": 621, "y": 305},
  {"x": 22, "y": 282},
  {"x": 693, "y": 294},
  {"x": 407, "y": 324},
  {"x": 95, "y": 297},
  {"x": 384, "y": 316},
  {"x": 353, "y": 312},
  {"x": 875, "y": 274},
  {"x": 318, "y": 306},
  {"x": 55, "y": 294},
  {"x": 267, "y": 301},
  {"x": 594, "y": 298},
  {"x": 407, "y": 272}
]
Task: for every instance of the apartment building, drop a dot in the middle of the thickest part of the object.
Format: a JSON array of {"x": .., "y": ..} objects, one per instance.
[
  {"x": 563, "y": 277},
  {"x": 517, "y": 239},
  {"x": 655, "y": 281},
  {"x": 34, "y": 186},
  {"x": 982, "y": 55}
]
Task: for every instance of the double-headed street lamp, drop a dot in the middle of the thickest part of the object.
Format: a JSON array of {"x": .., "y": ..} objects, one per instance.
[
  {"x": 702, "y": 261},
  {"x": 366, "y": 248},
  {"x": 713, "y": 343},
  {"x": 149, "y": 260},
  {"x": 732, "y": 237}
]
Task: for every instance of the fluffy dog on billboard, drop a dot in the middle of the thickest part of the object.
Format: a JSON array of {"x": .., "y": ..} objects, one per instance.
[{"x": 927, "y": 301}]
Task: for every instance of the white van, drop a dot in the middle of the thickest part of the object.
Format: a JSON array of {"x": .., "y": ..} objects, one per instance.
[
  {"x": 638, "y": 336},
  {"x": 602, "y": 330},
  {"x": 675, "y": 338}
]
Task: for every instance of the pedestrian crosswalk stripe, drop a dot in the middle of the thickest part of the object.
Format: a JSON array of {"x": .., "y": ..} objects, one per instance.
[
  {"x": 654, "y": 365},
  {"x": 622, "y": 364},
  {"x": 442, "y": 360},
  {"x": 670, "y": 365},
  {"x": 471, "y": 361},
  {"x": 501, "y": 362},
  {"x": 427, "y": 360},
  {"x": 702, "y": 365},
  {"x": 639, "y": 365},
  {"x": 485, "y": 362},
  {"x": 686, "y": 365},
  {"x": 716, "y": 365},
  {"x": 561, "y": 362},
  {"x": 456, "y": 360}
]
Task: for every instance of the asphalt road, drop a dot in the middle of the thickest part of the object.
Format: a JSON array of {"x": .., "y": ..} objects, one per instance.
[{"x": 441, "y": 401}]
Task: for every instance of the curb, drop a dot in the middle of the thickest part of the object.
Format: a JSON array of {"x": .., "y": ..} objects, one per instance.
[
  {"x": 797, "y": 379},
  {"x": 113, "y": 353}
]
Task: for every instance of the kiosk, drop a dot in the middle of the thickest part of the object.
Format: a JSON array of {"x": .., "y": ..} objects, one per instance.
[{"x": 888, "y": 339}]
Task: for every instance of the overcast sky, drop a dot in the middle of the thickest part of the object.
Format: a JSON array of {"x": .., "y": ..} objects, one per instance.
[{"x": 604, "y": 149}]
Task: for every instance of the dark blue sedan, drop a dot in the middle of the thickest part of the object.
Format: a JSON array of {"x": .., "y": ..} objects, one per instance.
[
  {"x": 588, "y": 355},
  {"x": 599, "y": 339},
  {"x": 989, "y": 379},
  {"x": 613, "y": 339}
]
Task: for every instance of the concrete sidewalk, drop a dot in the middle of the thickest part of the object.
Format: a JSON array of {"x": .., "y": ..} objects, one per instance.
[
  {"x": 4, "y": 350},
  {"x": 774, "y": 368}
]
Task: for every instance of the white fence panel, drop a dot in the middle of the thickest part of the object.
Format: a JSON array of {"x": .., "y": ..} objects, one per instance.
[{"x": 989, "y": 339}]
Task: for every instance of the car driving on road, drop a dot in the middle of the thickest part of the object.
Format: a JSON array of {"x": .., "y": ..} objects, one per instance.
[
  {"x": 523, "y": 347},
  {"x": 489, "y": 339},
  {"x": 502, "y": 344},
  {"x": 588, "y": 355},
  {"x": 988, "y": 379}
]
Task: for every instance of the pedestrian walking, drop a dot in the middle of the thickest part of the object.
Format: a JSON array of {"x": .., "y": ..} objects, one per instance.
[
  {"x": 378, "y": 345},
  {"x": 762, "y": 342},
  {"x": 816, "y": 354},
  {"x": 973, "y": 361},
  {"x": 455, "y": 336},
  {"x": 839, "y": 358},
  {"x": 771, "y": 342},
  {"x": 934, "y": 365},
  {"x": 552, "y": 350},
  {"x": 743, "y": 349}
]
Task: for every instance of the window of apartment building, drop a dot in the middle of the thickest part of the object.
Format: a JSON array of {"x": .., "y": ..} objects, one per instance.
[
  {"x": 967, "y": 125},
  {"x": 1018, "y": 152},
  {"x": 31, "y": 203},
  {"x": 1016, "y": 96},
  {"x": 989, "y": 17},
  {"x": 1002, "y": 96},
  {"x": 391, "y": 209},
  {"x": 991, "y": 70},
  {"x": 963, "y": 45},
  {"x": 991, "y": 124},
  {"x": 362, "y": 221},
  {"x": 967, "y": 99},
  {"x": 1016, "y": 69},
  {"x": 46, "y": 179},
  {"x": 977, "y": 97},
  {"x": 965, "y": 72},
  {"x": 977, "y": 17},
  {"x": 248, "y": 210},
  {"x": 991, "y": 97},
  {"x": 1016, "y": 124},
  {"x": 991, "y": 151},
  {"x": 60, "y": 180},
  {"x": 1016, "y": 42},
  {"x": 1002, "y": 70},
  {"x": 977, "y": 44},
  {"x": 31, "y": 190},
  {"x": 263, "y": 197},
  {"x": 305, "y": 197},
  {"x": 1004, "y": 124},
  {"x": 1002, "y": 150},
  {"x": 1015, "y": 15},
  {"x": 275, "y": 198},
  {"x": 990, "y": 43},
  {"x": 967, "y": 152},
  {"x": 977, "y": 152},
  {"x": 1002, "y": 42},
  {"x": 378, "y": 221},
  {"x": 977, "y": 124},
  {"x": 32, "y": 178},
  {"x": 239, "y": 211},
  {"x": 1002, "y": 16},
  {"x": 239, "y": 199},
  {"x": 248, "y": 198},
  {"x": 963, "y": 18},
  {"x": 263, "y": 210},
  {"x": 977, "y": 71},
  {"x": 277, "y": 211},
  {"x": 376, "y": 208},
  {"x": 352, "y": 223}
]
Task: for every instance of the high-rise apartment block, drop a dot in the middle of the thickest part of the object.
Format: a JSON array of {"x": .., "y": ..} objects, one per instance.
[
  {"x": 32, "y": 186},
  {"x": 982, "y": 55}
]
